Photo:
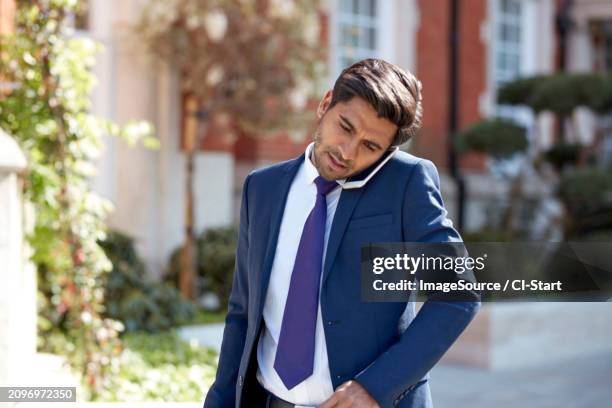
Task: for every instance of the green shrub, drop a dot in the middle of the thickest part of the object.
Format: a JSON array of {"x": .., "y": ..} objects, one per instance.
[
  {"x": 486, "y": 234},
  {"x": 498, "y": 138},
  {"x": 518, "y": 91},
  {"x": 216, "y": 255},
  {"x": 562, "y": 93},
  {"x": 561, "y": 154},
  {"x": 604, "y": 104},
  {"x": 133, "y": 298},
  {"x": 587, "y": 195},
  {"x": 586, "y": 191},
  {"x": 161, "y": 367}
]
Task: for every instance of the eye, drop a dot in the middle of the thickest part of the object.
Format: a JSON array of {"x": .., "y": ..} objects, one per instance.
[
  {"x": 369, "y": 146},
  {"x": 344, "y": 128}
]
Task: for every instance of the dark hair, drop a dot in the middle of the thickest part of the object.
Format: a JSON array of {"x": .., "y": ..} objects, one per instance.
[{"x": 394, "y": 94}]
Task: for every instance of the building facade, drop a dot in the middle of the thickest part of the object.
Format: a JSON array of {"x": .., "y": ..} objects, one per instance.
[{"x": 496, "y": 41}]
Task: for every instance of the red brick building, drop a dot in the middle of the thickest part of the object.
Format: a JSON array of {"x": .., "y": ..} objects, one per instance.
[
  {"x": 430, "y": 62},
  {"x": 495, "y": 41}
]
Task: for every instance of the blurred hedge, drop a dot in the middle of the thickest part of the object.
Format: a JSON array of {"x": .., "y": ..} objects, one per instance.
[
  {"x": 215, "y": 257},
  {"x": 498, "y": 138},
  {"x": 133, "y": 298},
  {"x": 161, "y": 367},
  {"x": 559, "y": 93},
  {"x": 587, "y": 195},
  {"x": 561, "y": 154}
]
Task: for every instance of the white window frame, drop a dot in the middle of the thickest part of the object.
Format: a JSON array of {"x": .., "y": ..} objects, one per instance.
[
  {"x": 526, "y": 67},
  {"x": 507, "y": 49},
  {"x": 527, "y": 21},
  {"x": 383, "y": 23}
]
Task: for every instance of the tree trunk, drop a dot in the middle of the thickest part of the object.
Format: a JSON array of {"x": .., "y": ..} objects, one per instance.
[
  {"x": 187, "y": 271},
  {"x": 514, "y": 197},
  {"x": 192, "y": 138}
]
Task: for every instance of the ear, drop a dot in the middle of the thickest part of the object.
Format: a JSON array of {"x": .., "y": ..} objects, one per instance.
[{"x": 324, "y": 104}]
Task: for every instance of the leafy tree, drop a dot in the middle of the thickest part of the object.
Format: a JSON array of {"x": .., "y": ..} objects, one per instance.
[
  {"x": 519, "y": 91},
  {"x": 583, "y": 185},
  {"x": 499, "y": 138},
  {"x": 255, "y": 62},
  {"x": 559, "y": 93},
  {"x": 47, "y": 111}
]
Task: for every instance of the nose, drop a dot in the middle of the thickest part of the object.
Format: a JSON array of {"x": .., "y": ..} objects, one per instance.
[{"x": 348, "y": 149}]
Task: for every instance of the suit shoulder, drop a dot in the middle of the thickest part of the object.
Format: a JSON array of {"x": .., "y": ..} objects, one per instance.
[
  {"x": 273, "y": 171},
  {"x": 405, "y": 165},
  {"x": 405, "y": 162}
]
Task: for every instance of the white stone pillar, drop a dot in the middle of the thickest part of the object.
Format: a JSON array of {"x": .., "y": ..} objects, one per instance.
[{"x": 17, "y": 278}]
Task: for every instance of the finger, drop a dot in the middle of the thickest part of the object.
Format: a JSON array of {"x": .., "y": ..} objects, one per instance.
[
  {"x": 330, "y": 402},
  {"x": 345, "y": 403}
]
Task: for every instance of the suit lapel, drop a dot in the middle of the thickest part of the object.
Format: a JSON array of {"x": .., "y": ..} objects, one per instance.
[
  {"x": 276, "y": 217},
  {"x": 346, "y": 205}
]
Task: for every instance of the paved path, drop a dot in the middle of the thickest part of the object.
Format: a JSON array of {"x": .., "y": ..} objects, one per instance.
[
  {"x": 206, "y": 335},
  {"x": 577, "y": 383}
]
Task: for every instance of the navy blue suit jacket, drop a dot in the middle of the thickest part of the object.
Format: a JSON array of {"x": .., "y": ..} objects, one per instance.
[{"x": 402, "y": 202}]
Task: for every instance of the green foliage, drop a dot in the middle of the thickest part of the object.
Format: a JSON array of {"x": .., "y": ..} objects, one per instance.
[
  {"x": 208, "y": 317},
  {"x": 560, "y": 93},
  {"x": 161, "y": 367},
  {"x": 257, "y": 62},
  {"x": 561, "y": 154},
  {"x": 498, "y": 138},
  {"x": 133, "y": 298},
  {"x": 216, "y": 256},
  {"x": 519, "y": 91},
  {"x": 587, "y": 191},
  {"x": 604, "y": 103},
  {"x": 486, "y": 234},
  {"x": 48, "y": 114}
]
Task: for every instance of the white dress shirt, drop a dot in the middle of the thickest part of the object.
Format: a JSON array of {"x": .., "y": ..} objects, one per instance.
[
  {"x": 314, "y": 390},
  {"x": 300, "y": 201}
]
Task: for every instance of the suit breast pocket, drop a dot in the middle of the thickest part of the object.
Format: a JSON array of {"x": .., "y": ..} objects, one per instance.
[{"x": 378, "y": 220}]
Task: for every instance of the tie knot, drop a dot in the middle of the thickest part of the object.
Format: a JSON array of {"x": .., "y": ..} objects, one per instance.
[{"x": 325, "y": 186}]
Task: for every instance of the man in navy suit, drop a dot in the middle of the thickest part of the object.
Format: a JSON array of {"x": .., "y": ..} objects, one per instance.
[{"x": 297, "y": 332}]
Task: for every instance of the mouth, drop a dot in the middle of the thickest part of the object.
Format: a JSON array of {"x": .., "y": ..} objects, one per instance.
[{"x": 335, "y": 164}]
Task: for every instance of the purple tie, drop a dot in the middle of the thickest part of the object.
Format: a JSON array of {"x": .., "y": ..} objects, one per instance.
[{"x": 294, "y": 359}]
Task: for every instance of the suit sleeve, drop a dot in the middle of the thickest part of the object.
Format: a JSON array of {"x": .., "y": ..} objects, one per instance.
[
  {"x": 439, "y": 321},
  {"x": 223, "y": 391}
]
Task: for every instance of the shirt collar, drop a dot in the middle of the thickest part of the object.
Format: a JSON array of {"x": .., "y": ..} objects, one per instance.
[{"x": 312, "y": 173}]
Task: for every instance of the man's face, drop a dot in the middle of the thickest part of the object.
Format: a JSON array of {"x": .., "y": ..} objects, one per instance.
[{"x": 350, "y": 137}]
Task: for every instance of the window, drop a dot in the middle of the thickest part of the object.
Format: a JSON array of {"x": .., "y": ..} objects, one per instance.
[
  {"x": 507, "y": 48},
  {"x": 601, "y": 40},
  {"x": 507, "y": 64},
  {"x": 357, "y": 31}
]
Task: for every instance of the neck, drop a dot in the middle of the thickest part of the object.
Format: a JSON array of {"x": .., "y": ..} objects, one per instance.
[{"x": 312, "y": 157}]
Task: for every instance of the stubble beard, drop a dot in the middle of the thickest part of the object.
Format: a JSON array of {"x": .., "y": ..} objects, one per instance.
[{"x": 315, "y": 154}]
